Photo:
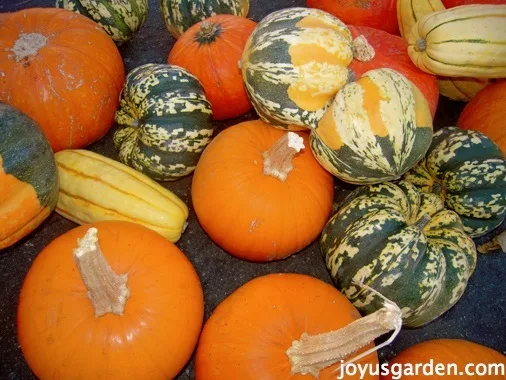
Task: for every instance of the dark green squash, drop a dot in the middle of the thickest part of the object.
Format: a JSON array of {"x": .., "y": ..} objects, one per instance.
[
  {"x": 28, "y": 176},
  {"x": 164, "y": 121}
]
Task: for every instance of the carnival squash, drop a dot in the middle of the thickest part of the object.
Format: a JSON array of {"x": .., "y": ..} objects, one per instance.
[
  {"x": 95, "y": 188},
  {"x": 164, "y": 121},
  {"x": 486, "y": 113},
  {"x": 379, "y": 14},
  {"x": 180, "y": 15},
  {"x": 459, "y": 359},
  {"x": 210, "y": 50},
  {"x": 28, "y": 176},
  {"x": 259, "y": 193},
  {"x": 111, "y": 299},
  {"x": 120, "y": 19},
  {"x": 404, "y": 244},
  {"x": 295, "y": 62},
  {"x": 285, "y": 326},
  {"x": 467, "y": 41},
  {"x": 63, "y": 71},
  {"x": 468, "y": 171},
  {"x": 377, "y": 128}
]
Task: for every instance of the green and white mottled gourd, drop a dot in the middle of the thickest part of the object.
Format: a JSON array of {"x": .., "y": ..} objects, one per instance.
[
  {"x": 402, "y": 243},
  {"x": 119, "y": 18},
  {"x": 164, "y": 121},
  {"x": 377, "y": 128},
  {"x": 468, "y": 171},
  {"x": 180, "y": 15},
  {"x": 294, "y": 63}
]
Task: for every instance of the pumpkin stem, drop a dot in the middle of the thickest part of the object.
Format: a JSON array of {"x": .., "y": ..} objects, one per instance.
[
  {"x": 362, "y": 49},
  {"x": 278, "y": 160},
  {"x": 107, "y": 290},
  {"x": 421, "y": 45},
  {"x": 497, "y": 243},
  {"x": 28, "y": 44},
  {"x": 208, "y": 32},
  {"x": 423, "y": 221}
]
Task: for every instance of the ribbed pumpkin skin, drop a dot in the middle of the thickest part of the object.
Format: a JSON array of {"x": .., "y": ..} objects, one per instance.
[
  {"x": 180, "y": 15},
  {"x": 28, "y": 176},
  {"x": 120, "y": 19},
  {"x": 468, "y": 171},
  {"x": 461, "y": 89},
  {"x": 293, "y": 65},
  {"x": 377, "y": 128},
  {"x": 467, "y": 41},
  {"x": 164, "y": 121},
  {"x": 94, "y": 188},
  {"x": 374, "y": 239}
]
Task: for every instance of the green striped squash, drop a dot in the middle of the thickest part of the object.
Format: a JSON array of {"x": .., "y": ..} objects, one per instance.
[
  {"x": 164, "y": 121},
  {"x": 180, "y": 15},
  {"x": 402, "y": 243},
  {"x": 377, "y": 128},
  {"x": 120, "y": 19},
  {"x": 468, "y": 171}
]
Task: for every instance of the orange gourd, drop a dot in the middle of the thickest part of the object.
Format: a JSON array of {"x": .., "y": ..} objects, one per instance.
[
  {"x": 250, "y": 201},
  {"x": 63, "y": 71},
  {"x": 211, "y": 50},
  {"x": 447, "y": 352},
  {"x": 74, "y": 322},
  {"x": 486, "y": 113},
  {"x": 250, "y": 334}
]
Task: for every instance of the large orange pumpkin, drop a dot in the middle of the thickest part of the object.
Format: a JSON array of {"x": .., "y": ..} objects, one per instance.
[
  {"x": 258, "y": 198},
  {"x": 62, "y": 70},
  {"x": 127, "y": 307},
  {"x": 250, "y": 334},
  {"x": 486, "y": 112},
  {"x": 211, "y": 50},
  {"x": 454, "y": 352},
  {"x": 379, "y": 14}
]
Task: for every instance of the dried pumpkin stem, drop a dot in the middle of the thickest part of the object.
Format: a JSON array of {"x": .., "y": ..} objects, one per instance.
[
  {"x": 278, "y": 160},
  {"x": 362, "y": 49},
  {"x": 107, "y": 290}
]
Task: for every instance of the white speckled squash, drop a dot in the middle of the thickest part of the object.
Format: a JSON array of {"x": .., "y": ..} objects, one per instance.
[
  {"x": 179, "y": 15},
  {"x": 164, "y": 121},
  {"x": 120, "y": 19},
  {"x": 377, "y": 128}
]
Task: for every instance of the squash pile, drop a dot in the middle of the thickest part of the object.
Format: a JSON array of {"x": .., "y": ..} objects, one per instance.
[{"x": 337, "y": 100}]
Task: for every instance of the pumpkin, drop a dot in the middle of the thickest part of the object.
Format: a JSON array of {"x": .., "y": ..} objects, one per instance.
[
  {"x": 487, "y": 113},
  {"x": 111, "y": 299},
  {"x": 164, "y": 121},
  {"x": 73, "y": 70},
  {"x": 467, "y": 358},
  {"x": 294, "y": 63},
  {"x": 467, "y": 41},
  {"x": 391, "y": 52},
  {"x": 404, "y": 244},
  {"x": 273, "y": 324},
  {"x": 258, "y": 195},
  {"x": 377, "y": 128},
  {"x": 95, "y": 188},
  {"x": 377, "y": 14},
  {"x": 120, "y": 19},
  {"x": 28, "y": 176},
  {"x": 468, "y": 171},
  {"x": 210, "y": 50},
  {"x": 180, "y": 15}
]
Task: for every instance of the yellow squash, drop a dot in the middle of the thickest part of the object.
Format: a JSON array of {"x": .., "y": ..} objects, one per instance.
[
  {"x": 410, "y": 11},
  {"x": 95, "y": 188},
  {"x": 465, "y": 41}
]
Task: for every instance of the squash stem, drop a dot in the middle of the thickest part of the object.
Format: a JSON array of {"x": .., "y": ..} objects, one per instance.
[
  {"x": 423, "y": 221},
  {"x": 362, "y": 50},
  {"x": 421, "y": 45},
  {"x": 278, "y": 160},
  {"x": 107, "y": 290}
]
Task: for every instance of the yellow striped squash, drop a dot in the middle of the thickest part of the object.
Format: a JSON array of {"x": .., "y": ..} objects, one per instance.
[
  {"x": 462, "y": 89},
  {"x": 465, "y": 41},
  {"x": 95, "y": 188},
  {"x": 410, "y": 11}
]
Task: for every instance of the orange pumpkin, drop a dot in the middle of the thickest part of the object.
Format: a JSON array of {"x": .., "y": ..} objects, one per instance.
[
  {"x": 453, "y": 352},
  {"x": 486, "y": 112},
  {"x": 249, "y": 335},
  {"x": 62, "y": 70},
  {"x": 211, "y": 50},
  {"x": 256, "y": 196},
  {"x": 127, "y": 307}
]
